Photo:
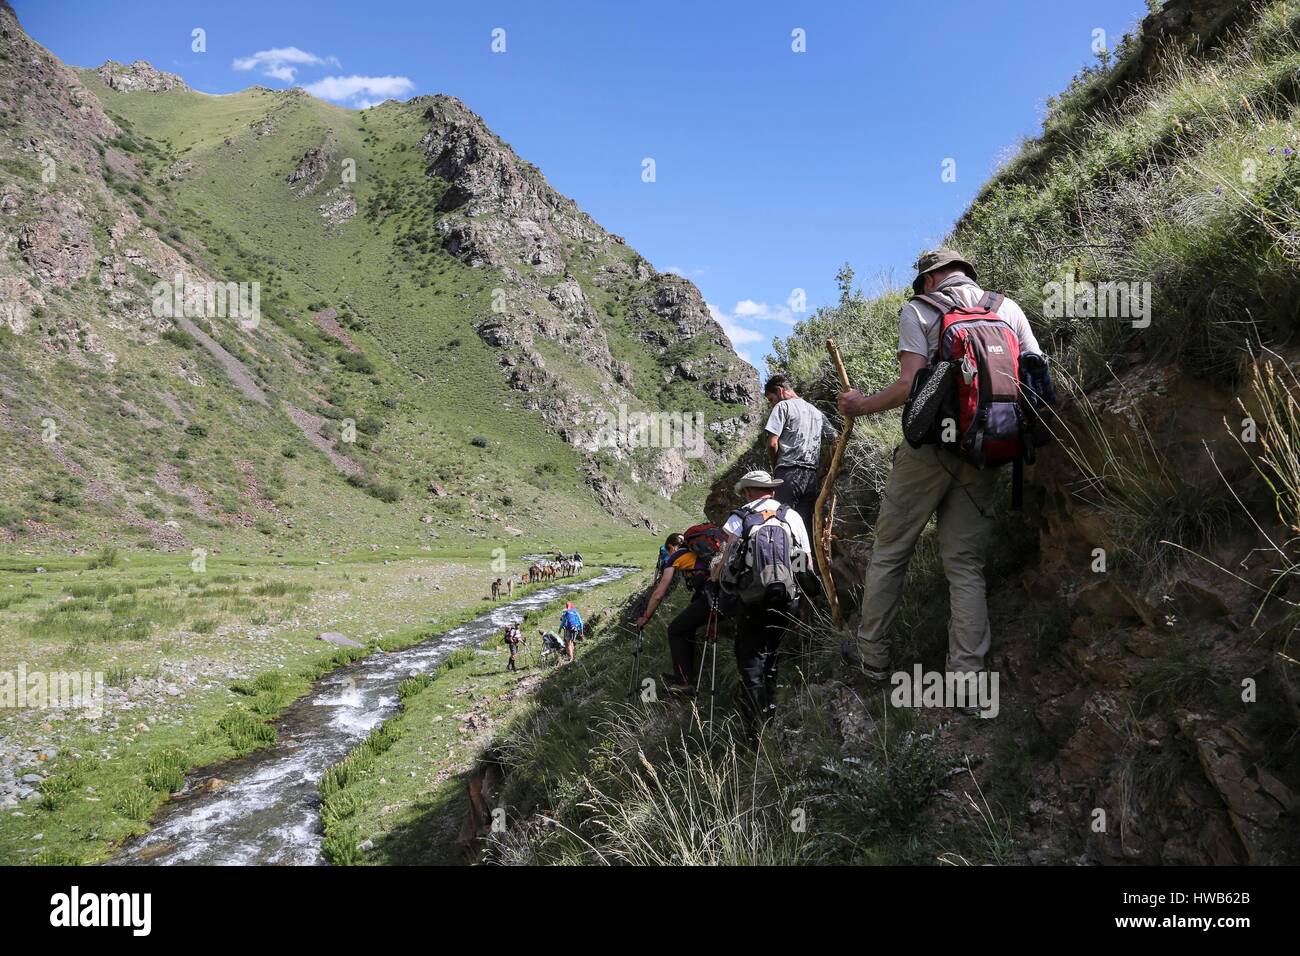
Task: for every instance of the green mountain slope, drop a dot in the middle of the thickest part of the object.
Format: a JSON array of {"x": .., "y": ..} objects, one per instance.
[{"x": 422, "y": 291}]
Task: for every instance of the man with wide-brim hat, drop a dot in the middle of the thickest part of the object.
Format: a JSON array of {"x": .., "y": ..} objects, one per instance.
[
  {"x": 931, "y": 480},
  {"x": 755, "y": 479},
  {"x": 760, "y": 628}
]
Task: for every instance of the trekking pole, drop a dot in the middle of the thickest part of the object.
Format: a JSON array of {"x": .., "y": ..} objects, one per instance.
[
  {"x": 713, "y": 675},
  {"x": 710, "y": 644},
  {"x": 821, "y": 546},
  {"x": 636, "y": 665}
]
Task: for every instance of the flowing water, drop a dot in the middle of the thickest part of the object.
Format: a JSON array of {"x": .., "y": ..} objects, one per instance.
[{"x": 268, "y": 812}]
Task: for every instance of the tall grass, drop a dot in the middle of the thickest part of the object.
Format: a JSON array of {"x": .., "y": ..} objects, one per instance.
[
  {"x": 1123, "y": 472},
  {"x": 706, "y": 799}
]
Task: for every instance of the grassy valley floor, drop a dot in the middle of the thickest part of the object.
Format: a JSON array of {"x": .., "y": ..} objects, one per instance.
[{"x": 195, "y": 664}]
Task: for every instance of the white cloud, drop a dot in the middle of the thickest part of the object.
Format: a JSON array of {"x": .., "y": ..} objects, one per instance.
[
  {"x": 282, "y": 63},
  {"x": 761, "y": 311},
  {"x": 740, "y": 335},
  {"x": 360, "y": 91},
  {"x": 684, "y": 273}
]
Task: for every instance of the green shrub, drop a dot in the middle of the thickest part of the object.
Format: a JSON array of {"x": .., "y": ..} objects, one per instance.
[
  {"x": 165, "y": 771},
  {"x": 179, "y": 337},
  {"x": 356, "y": 362},
  {"x": 106, "y": 558},
  {"x": 245, "y": 732}
]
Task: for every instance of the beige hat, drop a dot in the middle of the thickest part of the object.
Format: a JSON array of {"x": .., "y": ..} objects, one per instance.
[
  {"x": 937, "y": 259},
  {"x": 757, "y": 479}
]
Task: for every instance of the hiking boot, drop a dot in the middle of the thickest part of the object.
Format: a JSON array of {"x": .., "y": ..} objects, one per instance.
[
  {"x": 675, "y": 684},
  {"x": 853, "y": 657}
]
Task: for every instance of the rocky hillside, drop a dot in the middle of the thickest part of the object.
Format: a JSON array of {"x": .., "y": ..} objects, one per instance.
[
  {"x": 1145, "y": 604},
  {"x": 1145, "y": 601},
  {"x": 434, "y": 341}
]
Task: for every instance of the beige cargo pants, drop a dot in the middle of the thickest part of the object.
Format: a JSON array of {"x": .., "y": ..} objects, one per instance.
[{"x": 925, "y": 481}]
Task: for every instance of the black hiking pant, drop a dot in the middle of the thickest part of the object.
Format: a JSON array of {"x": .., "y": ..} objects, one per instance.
[
  {"x": 682, "y": 636},
  {"x": 758, "y": 640},
  {"x": 798, "y": 490}
]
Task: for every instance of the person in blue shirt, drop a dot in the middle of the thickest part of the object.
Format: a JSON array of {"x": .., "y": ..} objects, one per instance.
[
  {"x": 570, "y": 627},
  {"x": 674, "y": 543}
]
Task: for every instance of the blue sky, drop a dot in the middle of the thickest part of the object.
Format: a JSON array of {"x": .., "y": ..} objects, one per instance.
[{"x": 771, "y": 167}]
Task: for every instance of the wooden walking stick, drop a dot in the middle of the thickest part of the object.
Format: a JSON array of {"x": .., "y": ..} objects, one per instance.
[{"x": 821, "y": 542}]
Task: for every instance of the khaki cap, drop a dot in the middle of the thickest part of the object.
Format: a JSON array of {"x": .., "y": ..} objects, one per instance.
[{"x": 937, "y": 259}]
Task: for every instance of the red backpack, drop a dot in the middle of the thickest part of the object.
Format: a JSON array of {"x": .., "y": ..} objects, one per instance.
[
  {"x": 987, "y": 400},
  {"x": 704, "y": 541}
]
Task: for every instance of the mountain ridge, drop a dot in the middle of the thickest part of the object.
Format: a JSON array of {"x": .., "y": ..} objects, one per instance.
[{"x": 418, "y": 281}]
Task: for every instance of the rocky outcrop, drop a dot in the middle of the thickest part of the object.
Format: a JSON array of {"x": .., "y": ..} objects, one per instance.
[
  {"x": 312, "y": 168},
  {"x": 338, "y": 209},
  {"x": 17, "y": 300},
  {"x": 1129, "y": 699},
  {"x": 497, "y": 212},
  {"x": 59, "y": 248},
  {"x": 71, "y": 120},
  {"x": 138, "y": 77}
]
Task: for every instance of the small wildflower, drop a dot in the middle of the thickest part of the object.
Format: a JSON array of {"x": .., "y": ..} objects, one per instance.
[
  {"x": 1218, "y": 190},
  {"x": 1272, "y": 150},
  {"x": 1288, "y": 151}
]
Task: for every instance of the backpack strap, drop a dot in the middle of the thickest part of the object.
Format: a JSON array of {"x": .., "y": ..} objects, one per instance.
[
  {"x": 992, "y": 301},
  {"x": 935, "y": 301}
]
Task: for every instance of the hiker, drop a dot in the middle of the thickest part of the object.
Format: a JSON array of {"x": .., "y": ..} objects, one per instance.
[
  {"x": 570, "y": 627},
  {"x": 673, "y": 543},
  {"x": 795, "y": 430},
  {"x": 766, "y": 544},
  {"x": 551, "y": 643},
  {"x": 691, "y": 562},
  {"x": 929, "y": 478},
  {"x": 513, "y": 637}
]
